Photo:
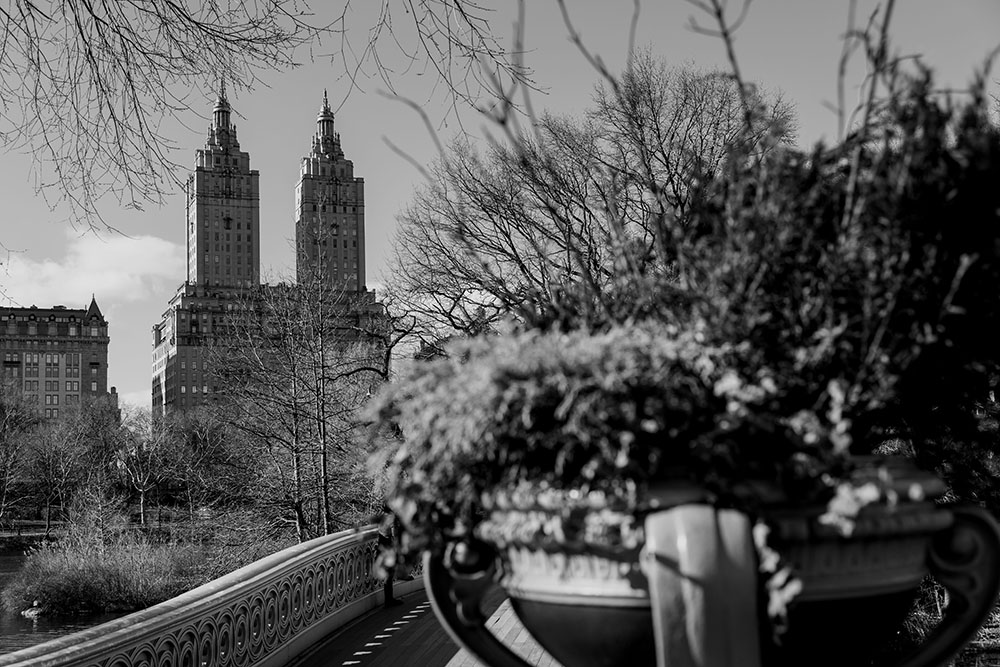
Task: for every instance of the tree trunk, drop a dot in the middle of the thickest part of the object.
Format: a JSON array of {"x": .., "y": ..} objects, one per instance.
[{"x": 300, "y": 519}]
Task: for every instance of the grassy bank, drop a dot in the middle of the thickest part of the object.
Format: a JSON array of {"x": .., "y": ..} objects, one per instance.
[{"x": 77, "y": 576}]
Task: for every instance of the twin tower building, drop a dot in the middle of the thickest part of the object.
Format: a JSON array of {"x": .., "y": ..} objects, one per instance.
[{"x": 223, "y": 247}]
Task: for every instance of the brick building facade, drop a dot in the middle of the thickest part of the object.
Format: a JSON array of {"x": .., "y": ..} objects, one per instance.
[{"x": 57, "y": 357}]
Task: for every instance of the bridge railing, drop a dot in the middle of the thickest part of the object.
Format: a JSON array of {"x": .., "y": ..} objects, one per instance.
[{"x": 259, "y": 616}]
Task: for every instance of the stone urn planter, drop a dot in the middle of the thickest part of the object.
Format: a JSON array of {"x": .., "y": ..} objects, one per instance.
[
  {"x": 803, "y": 309},
  {"x": 680, "y": 586}
]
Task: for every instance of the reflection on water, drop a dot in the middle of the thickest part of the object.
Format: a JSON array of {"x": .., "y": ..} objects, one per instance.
[{"x": 17, "y": 632}]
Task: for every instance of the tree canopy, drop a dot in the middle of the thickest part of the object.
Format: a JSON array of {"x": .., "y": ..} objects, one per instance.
[{"x": 510, "y": 228}]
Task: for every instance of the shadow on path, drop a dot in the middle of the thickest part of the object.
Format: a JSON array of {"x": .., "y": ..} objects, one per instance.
[{"x": 408, "y": 635}]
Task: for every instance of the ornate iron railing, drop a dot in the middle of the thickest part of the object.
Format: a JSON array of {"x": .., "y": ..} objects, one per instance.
[{"x": 260, "y": 615}]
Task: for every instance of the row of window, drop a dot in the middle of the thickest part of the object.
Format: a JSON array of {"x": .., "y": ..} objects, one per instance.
[
  {"x": 52, "y": 399},
  {"x": 333, "y": 208},
  {"x": 50, "y": 359},
  {"x": 53, "y": 329},
  {"x": 235, "y": 161},
  {"x": 76, "y": 344},
  {"x": 53, "y": 385},
  {"x": 220, "y": 247}
]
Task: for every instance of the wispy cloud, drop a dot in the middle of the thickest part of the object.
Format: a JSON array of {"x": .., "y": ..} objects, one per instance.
[{"x": 115, "y": 268}]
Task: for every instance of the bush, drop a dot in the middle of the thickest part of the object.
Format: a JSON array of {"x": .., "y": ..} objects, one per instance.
[{"x": 80, "y": 576}]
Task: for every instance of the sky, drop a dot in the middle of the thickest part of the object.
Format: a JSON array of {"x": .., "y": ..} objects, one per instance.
[{"x": 791, "y": 46}]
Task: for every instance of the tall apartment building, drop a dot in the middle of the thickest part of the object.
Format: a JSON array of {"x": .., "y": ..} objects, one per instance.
[
  {"x": 223, "y": 209},
  {"x": 329, "y": 212},
  {"x": 223, "y": 259},
  {"x": 223, "y": 244},
  {"x": 57, "y": 357}
]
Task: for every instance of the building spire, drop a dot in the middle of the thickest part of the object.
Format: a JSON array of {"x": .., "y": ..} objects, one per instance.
[
  {"x": 222, "y": 132},
  {"x": 324, "y": 120},
  {"x": 93, "y": 310},
  {"x": 326, "y": 141}
]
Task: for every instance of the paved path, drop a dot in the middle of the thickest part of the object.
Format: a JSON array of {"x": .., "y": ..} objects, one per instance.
[{"x": 410, "y": 636}]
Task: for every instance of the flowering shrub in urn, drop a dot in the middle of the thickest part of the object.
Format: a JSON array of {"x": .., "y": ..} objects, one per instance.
[{"x": 753, "y": 349}]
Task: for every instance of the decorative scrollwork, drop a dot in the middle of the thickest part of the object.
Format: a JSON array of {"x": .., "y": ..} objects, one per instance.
[
  {"x": 237, "y": 620},
  {"x": 966, "y": 560}
]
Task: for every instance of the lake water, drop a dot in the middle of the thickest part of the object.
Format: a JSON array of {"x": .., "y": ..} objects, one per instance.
[{"x": 17, "y": 632}]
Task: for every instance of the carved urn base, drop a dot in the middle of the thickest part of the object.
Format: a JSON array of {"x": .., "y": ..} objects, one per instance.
[
  {"x": 679, "y": 587},
  {"x": 583, "y": 608}
]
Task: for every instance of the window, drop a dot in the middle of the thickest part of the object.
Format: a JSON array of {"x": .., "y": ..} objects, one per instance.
[
  {"x": 93, "y": 386},
  {"x": 73, "y": 365},
  {"x": 32, "y": 329},
  {"x": 183, "y": 389},
  {"x": 72, "y": 330},
  {"x": 93, "y": 331}
]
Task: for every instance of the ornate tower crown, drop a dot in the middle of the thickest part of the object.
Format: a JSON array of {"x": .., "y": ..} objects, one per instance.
[
  {"x": 222, "y": 132},
  {"x": 326, "y": 141}
]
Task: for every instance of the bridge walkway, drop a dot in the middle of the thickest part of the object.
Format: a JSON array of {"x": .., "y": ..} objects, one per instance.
[{"x": 411, "y": 636}]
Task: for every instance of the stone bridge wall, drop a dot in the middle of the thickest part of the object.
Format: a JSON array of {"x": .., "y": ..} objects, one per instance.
[{"x": 259, "y": 616}]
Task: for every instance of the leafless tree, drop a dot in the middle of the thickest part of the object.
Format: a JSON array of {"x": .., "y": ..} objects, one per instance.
[
  {"x": 207, "y": 469},
  {"x": 295, "y": 371},
  {"x": 73, "y": 452},
  {"x": 572, "y": 203},
  {"x": 86, "y": 85},
  {"x": 454, "y": 41},
  {"x": 17, "y": 418},
  {"x": 143, "y": 460},
  {"x": 55, "y": 465}
]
